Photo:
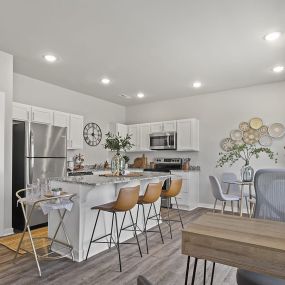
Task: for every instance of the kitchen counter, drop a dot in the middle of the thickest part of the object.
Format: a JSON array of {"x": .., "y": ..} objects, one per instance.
[
  {"x": 96, "y": 180},
  {"x": 91, "y": 191}
]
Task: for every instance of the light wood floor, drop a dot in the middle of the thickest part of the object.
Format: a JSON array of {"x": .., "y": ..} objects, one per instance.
[{"x": 163, "y": 265}]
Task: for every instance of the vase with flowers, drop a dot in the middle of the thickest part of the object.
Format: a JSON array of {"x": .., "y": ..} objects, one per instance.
[
  {"x": 118, "y": 144},
  {"x": 245, "y": 152}
]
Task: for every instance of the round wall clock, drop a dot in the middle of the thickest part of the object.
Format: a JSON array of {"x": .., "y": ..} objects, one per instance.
[{"x": 92, "y": 134}]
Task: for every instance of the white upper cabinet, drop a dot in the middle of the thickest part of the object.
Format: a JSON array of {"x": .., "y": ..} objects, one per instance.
[
  {"x": 169, "y": 126},
  {"x": 188, "y": 135},
  {"x": 75, "y": 132},
  {"x": 156, "y": 127},
  {"x": 21, "y": 112},
  {"x": 121, "y": 129},
  {"x": 60, "y": 119},
  {"x": 42, "y": 115},
  {"x": 144, "y": 131},
  {"x": 134, "y": 133}
]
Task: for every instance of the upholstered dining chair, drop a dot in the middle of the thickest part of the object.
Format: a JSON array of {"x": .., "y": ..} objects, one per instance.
[
  {"x": 270, "y": 204},
  {"x": 220, "y": 196},
  {"x": 233, "y": 189}
]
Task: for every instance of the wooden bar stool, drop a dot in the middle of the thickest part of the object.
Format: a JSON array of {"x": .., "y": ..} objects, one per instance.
[
  {"x": 126, "y": 200},
  {"x": 151, "y": 195},
  {"x": 172, "y": 192}
]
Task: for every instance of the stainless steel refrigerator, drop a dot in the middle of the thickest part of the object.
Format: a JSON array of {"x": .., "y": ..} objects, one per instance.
[{"x": 39, "y": 152}]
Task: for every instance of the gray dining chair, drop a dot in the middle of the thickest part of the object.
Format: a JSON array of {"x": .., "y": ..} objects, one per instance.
[
  {"x": 270, "y": 204},
  {"x": 220, "y": 196},
  {"x": 233, "y": 189}
]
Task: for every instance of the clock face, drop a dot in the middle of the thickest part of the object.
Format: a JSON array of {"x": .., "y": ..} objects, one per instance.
[{"x": 92, "y": 134}]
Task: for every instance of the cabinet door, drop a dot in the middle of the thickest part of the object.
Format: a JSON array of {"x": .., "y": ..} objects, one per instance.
[
  {"x": 188, "y": 135},
  {"x": 121, "y": 129},
  {"x": 60, "y": 119},
  {"x": 169, "y": 126},
  {"x": 76, "y": 132},
  {"x": 156, "y": 127},
  {"x": 133, "y": 132},
  {"x": 41, "y": 115},
  {"x": 144, "y": 131},
  {"x": 21, "y": 112}
]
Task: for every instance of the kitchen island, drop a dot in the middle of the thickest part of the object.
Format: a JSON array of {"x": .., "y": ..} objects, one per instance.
[{"x": 92, "y": 191}]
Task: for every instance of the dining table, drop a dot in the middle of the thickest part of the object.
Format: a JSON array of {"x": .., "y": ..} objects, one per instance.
[
  {"x": 256, "y": 245},
  {"x": 242, "y": 185}
]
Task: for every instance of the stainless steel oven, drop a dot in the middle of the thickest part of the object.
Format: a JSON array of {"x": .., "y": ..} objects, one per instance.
[{"x": 160, "y": 141}]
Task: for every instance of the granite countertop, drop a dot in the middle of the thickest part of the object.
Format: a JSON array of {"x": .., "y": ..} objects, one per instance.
[{"x": 96, "y": 180}]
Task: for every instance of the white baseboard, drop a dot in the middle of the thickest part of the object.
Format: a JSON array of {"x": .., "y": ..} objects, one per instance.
[
  {"x": 219, "y": 205},
  {"x": 6, "y": 232}
]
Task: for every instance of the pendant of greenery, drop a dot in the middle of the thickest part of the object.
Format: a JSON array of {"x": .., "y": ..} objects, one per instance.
[
  {"x": 244, "y": 152},
  {"x": 118, "y": 143}
]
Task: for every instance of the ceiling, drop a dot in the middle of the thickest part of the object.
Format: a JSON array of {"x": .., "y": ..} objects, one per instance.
[{"x": 158, "y": 47}]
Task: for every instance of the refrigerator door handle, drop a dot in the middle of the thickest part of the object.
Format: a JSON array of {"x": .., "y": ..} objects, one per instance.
[{"x": 31, "y": 170}]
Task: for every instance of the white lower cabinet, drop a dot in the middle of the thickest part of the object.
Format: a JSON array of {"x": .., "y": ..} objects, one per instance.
[{"x": 188, "y": 198}]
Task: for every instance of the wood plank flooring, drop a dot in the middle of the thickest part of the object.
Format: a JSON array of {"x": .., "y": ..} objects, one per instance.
[{"x": 162, "y": 266}]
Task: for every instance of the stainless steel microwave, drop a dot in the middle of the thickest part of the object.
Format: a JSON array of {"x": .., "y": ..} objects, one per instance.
[{"x": 165, "y": 140}]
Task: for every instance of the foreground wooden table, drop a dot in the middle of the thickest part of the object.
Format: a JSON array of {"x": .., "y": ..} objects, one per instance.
[{"x": 251, "y": 244}]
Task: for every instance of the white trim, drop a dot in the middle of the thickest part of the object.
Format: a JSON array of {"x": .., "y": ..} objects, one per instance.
[
  {"x": 218, "y": 207},
  {"x": 6, "y": 232}
]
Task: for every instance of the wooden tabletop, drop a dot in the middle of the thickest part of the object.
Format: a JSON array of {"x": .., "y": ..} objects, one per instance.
[{"x": 252, "y": 244}]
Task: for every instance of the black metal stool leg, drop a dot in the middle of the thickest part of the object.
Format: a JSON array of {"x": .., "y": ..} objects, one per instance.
[
  {"x": 194, "y": 271},
  {"x": 135, "y": 232},
  {"x": 157, "y": 218},
  {"x": 122, "y": 224},
  {"x": 187, "y": 270},
  {"x": 168, "y": 211},
  {"x": 145, "y": 232},
  {"x": 179, "y": 213},
  {"x": 205, "y": 270},
  {"x": 213, "y": 271},
  {"x": 118, "y": 241},
  {"x": 111, "y": 233},
  {"x": 92, "y": 234}
]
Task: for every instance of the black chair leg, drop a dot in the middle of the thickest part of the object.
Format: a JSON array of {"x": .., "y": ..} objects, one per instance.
[
  {"x": 157, "y": 218},
  {"x": 169, "y": 223},
  {"x": 179, "y": 213},
  {"x": 205, "y": 270},
  {"x": 145, "y": 232},
  {"x": 122, "y": 224},
  {"x": 194, "y": 271},
  {"x": 111, "y": 232},
  {"x": 118, "y": 241},
  {"x": 92, "y": 234},
  {"x": 187, "y": 270},
  {"x": 135, "y": 232},
  {"x": 213, "y": 271}
]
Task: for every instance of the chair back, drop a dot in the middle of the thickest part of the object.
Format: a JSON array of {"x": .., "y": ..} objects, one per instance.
[
  {"x": 175, "y": 187},
  {"x": 152, "y": 192},
  {"x": 270, "y": 194},
  {"x": 216, "y": 188},
  {"x": 230, "y": 177},
  {"x": 127, "y": 198}
]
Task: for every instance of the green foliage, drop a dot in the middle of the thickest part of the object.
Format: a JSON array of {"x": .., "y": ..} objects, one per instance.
[
  {"x": 244, "y": 152},
  {"x": 126, "y": 158},
  {"x": 118, "y": 143}
]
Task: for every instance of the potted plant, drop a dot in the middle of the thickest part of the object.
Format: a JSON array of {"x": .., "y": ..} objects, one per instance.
[
  {"x": 127, "y": 159},
  {"x": 245, "y": 152},
  {"x": 118, "y": 143}
]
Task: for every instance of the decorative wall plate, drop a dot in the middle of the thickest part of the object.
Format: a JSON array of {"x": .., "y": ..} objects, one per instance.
[
  {"x": 227, "y": 144},
  {"x": 255, "y": 123},
  {"x": 265, "y": 140},
  {"x": 236, "y": 135},
  {"x": 276, "y": 130},
  {"x": 251, "y": 136},
  {"x": 263, "y": 130},
  {"x": 244, "y": 126}
]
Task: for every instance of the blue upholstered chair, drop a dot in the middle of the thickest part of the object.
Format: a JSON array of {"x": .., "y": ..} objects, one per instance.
[{"x": 270, "y": 204}]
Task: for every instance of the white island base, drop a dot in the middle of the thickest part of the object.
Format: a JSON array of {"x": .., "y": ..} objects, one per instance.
[{"x": 92, "y": 191}]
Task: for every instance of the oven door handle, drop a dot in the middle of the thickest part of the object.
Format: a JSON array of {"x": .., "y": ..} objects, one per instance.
[{"x": 168, "y": 141}]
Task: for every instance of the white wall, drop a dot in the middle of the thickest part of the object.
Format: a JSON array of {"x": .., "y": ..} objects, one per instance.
[
  {"x": 38, "y": 93},
  {"x": 6, "y": 86},
  {"x": 219, "y": 113}
]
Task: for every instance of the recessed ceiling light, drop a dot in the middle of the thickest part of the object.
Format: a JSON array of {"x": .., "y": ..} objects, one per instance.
[
  {"x": 278, "y": 68},
  {"x": 50, "y": 58},
  {"x": 140, "y": 95},
  {"x": 272, "y": 36},
  {"x": 105, "y": 81},
  {"x": 197, "y": 84}
]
